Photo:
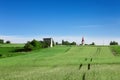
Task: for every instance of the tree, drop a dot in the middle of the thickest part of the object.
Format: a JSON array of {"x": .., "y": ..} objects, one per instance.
[
  {"x": 44, "y": 44},
  {"x": 1, "y": 41},
  {"x": 73, "y": 43},
  {"x": 113, "y": 43},
  {"x": 8, "y": 42},
  {"x": 34, "y": 44},
  {"x": 63, "y": 42},
  {"x": 92, "y": 43},
  {"x": 57, "y": 43},
  {"x": 53, "y": 43},
  {"x": 68, "y": 43},
  {"x": 28, "y": 46}
]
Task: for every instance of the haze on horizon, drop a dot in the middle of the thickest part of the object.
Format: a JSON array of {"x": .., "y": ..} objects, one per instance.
[{"x": 97, "y": 20}]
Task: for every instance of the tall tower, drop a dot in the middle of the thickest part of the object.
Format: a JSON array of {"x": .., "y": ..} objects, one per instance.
[{"x": 83, "y": 41}]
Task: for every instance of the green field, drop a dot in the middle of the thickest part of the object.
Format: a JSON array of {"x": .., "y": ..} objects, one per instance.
[
  {"x": 63, "y": 63},
  {"x": 9, "y": 50},
  {"x": 12, "y": 45}
]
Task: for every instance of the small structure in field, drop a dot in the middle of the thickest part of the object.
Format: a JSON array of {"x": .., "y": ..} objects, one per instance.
[
  {"x": 49, "y": 41},
  {"x": 83, "y": 41}
]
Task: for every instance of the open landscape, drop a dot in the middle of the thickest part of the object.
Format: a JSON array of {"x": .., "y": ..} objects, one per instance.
[
  {"x": 59, "y": 39},
  {"x": 63, "y": 63}
]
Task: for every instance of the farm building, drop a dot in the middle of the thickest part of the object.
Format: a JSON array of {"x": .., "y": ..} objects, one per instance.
[{"x": 49, "y": 41}]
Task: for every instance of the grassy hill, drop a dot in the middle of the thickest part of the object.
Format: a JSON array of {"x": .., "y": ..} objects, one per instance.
[{"x": 62, "y": 63}]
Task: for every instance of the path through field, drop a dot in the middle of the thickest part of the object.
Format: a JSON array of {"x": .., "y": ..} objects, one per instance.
[{"x": 63, "y": 63}]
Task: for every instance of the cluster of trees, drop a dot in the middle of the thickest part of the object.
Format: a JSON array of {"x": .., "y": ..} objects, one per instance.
[
  {"x": 34, "y": 44},
  {"x": 93, "y": 43},
  {"x": 113, "y": 43},
  {"x": 2, "y": 42},
  {"x": 68, "y": 43}
]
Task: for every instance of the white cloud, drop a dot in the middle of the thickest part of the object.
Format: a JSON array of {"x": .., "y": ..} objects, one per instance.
[{"x": 88, "y": 40}]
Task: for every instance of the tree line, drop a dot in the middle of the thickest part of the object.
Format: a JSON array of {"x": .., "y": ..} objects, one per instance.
[
  {"x": 3, "y": 42},
  {"x": 68, "y": 43},
  {"x": 46, "y": 44},
  {"x": 113, "y": 43},
  {"x": 34, "y": 44}
]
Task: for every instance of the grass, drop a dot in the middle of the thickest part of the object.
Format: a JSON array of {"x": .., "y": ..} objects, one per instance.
[
  {"x": 116, "y": 50},
  {"x": 12, "y": 45},
  {"x": 62, "y": 63},
  {"x": 9, "y": 50}
]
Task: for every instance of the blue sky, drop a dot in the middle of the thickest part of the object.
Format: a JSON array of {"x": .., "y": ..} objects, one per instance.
[{"x": 93, "y": 18}]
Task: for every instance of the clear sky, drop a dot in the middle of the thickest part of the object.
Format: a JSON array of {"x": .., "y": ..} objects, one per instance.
[{"x": 93, "y": 18}]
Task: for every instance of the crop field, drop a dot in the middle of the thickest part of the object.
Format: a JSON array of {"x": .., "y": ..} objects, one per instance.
[{"x": 63, "y": 63}]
